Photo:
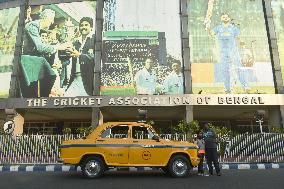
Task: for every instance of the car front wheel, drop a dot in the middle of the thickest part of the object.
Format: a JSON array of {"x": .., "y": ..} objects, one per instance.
[
  {"x": 93, "y": 167},
  {"x": 179, "y": 166}
]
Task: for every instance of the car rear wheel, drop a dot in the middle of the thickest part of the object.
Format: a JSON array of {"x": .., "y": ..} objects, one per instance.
[
  {"x": 179, "y": 166},
  {"x": 93, "y": 167}
]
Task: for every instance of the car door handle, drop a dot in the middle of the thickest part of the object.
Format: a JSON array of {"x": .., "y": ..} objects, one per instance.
[
  {"x": 100, "y": 140},
  {"x": 135, "y": 141}
]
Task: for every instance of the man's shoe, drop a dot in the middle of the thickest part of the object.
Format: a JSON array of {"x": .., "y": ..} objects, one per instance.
[{"x": 218, "y": 174}]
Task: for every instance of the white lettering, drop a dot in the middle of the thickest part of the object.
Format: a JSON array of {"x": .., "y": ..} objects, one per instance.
[
  {"x": 99, "y": 100},
  {"x": 30, "y": 102},
  {"x": 144, "y": 100},
  {"x": 119, "y": 100},
  {"x": 157, "y": 101},
  {"x": 76, "y": 101},
  {"x": 56, "y": 102},
  {"x": 84, "y": 101},
  {"x": 91, "y": 101},
  {"x": 63, "y": 102},
  {"x": 44, "y": 102},
  {"x": 135, "y": 101},
  {"x": 127, "y": 101},
  {"x": 111, "y": 101}
]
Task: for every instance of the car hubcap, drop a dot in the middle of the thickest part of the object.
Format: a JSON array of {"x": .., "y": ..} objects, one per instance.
[
  {"x": 179, "y": 167},
  {"x": 92, "y": 168}
]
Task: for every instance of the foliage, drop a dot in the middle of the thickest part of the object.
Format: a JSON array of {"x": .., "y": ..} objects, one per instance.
[
  {"x": 277, "y": 130},
  {"x": 188, "y": 128},
  {"x": 84, "y": 130},
  {"x": 185, "y": 127},
  {"x": 223, "y": 134},
  {"x": 67, "y": 130},
  {"x": 158, "y": 130},
  {"x": 150, "y": 122}
]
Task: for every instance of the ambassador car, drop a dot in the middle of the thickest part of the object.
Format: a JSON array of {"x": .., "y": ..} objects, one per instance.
[{"x": 131, "y": 144}]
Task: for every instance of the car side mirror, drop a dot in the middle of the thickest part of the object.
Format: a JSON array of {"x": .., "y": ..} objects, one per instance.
[{"x": 156, "y": 138}]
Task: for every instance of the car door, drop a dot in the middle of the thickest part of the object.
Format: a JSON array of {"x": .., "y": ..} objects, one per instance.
[
  {"x": 144, "y": 151},
  {"x": 114, "y": 144}
]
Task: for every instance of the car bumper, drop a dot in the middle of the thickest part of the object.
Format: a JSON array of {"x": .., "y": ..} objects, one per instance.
[{"x": 195, "y": 161}]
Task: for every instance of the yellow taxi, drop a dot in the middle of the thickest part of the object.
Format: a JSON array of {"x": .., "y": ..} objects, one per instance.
[{"x": 128, "y": 144}]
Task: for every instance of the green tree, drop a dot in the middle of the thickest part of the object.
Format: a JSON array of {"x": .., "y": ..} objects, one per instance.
[
  {"x": 67, "y": 130},
  {"x": 188, "y": 128},
  {"x": 277, "y": 129},
  {"x": 223, "y": 134}
]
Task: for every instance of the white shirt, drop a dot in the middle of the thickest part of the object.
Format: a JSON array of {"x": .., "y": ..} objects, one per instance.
[
  {"x": 173, "y": 84},
  {"x": 145, "y": 82}
]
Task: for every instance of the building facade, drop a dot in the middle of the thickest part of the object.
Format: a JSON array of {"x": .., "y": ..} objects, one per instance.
[{"x": 71, "y": 64}]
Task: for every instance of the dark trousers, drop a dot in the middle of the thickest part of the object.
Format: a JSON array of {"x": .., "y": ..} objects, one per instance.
[
  {"x": 200, "y": 165},
  {"x": 212, "y": 157}
]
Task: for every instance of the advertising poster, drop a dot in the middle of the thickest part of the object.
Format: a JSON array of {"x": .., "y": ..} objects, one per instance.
[
  {"x": 229, "y": 47},
  {"x": 58, "y": 50},
  {"x": 278, "y": 16},
  {"x": 141, "y": 48},
  {"x": 8, "y": 32}
]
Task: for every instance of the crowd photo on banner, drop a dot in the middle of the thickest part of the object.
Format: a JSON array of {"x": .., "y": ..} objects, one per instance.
[
  {"x": 8, "y": 31},
  {"x": 58, "y": 50},
  {"x": 141, "y": 53}
]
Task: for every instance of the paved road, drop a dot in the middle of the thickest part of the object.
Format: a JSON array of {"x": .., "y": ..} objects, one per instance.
[{"x": 231, "y": 179}]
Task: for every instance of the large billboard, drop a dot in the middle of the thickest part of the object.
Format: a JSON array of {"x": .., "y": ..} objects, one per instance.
[
  {"x": 58, "y": 50},
  {"x": 229, "y": 47},
  {"x": 141, "y": 48},
  {"x": 8, "y": 32},
  {"x": 278, "y": 16}
]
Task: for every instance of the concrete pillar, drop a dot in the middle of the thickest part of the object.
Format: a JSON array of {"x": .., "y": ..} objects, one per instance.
[
  {"x": 18, "y": 118},
  {"x": 282, "y": 116},
  {"x": 274, "y": 118},
  {"x": 274, "y": 50},
  {"x": 98, "y": 47},
  {"x": 189, "y": 113},
  {"x": 97, "y": 117}
]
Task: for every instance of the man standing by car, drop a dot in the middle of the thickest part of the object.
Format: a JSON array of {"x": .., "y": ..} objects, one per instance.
[{"x": 211, "y": 150}]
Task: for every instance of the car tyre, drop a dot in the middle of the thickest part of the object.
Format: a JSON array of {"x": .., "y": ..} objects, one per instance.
[
  {"x": 179, "y": 166},
  {"x": 165, "y": 170},
  {"x": 93, "y": 167}
]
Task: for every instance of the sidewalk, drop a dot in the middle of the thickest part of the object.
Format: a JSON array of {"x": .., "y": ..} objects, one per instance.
[{"x": 67, "y": 168}]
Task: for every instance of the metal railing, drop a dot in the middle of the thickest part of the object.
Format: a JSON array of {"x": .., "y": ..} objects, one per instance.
[
  {"x": 43, "y": 149},
  {"x": 255, "y": 148}
]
